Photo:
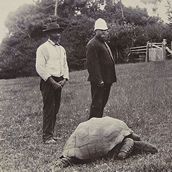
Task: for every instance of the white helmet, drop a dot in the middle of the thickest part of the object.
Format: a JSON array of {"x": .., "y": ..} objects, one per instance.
[{"x": 100, "y": 24}]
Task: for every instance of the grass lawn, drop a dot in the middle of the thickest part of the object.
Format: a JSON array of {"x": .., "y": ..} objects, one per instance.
[{"x": 142, "y": 98}]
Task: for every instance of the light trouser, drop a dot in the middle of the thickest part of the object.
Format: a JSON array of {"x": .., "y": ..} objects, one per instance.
[{"x": 51, "y": 105}]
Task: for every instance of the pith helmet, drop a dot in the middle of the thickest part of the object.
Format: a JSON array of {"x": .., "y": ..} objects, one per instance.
[{"x": 100, "y": 24}]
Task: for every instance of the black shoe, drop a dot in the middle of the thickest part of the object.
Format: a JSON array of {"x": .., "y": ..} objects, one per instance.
[
  {"x": 50, "y": 141},
  {"x": 57, "y": 138}
]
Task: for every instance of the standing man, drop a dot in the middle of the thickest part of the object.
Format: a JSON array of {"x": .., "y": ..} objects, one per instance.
[
  {"x": 51, "y": 65},
  {"x": 101, "y": 68}
]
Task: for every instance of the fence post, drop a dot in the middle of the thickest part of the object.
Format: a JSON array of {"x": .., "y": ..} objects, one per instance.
[
  {"x": 164, "y": 42},
  {"x": 147, "y": 52}
]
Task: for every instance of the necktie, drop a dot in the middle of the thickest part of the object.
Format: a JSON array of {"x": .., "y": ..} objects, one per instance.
[{"x": 57, "y": 44}]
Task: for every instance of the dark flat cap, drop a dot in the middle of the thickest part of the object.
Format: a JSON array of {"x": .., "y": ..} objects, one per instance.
[{"x": 52, "y": 27}]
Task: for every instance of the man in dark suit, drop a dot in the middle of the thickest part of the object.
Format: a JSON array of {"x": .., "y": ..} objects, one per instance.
[{"x": 101, "y": 68}]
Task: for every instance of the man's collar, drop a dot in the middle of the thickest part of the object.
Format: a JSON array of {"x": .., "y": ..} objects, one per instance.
[{"x": 53, "y": 43}]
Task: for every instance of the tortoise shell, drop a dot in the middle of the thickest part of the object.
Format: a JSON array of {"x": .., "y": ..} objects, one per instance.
[{"x": 95, "y": 138}]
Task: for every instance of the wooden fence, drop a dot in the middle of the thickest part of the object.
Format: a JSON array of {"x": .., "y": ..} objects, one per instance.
[{"x": 151, "y": 52}]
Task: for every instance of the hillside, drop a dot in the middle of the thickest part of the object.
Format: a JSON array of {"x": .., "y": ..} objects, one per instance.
[{"x": 142, "y": 97}]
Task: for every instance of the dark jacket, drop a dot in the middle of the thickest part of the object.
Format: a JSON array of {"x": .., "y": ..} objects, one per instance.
[{"x": 100, "y": 63}]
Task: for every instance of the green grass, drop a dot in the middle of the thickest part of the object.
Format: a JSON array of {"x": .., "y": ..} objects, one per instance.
[{"x": 142, "y": 98}]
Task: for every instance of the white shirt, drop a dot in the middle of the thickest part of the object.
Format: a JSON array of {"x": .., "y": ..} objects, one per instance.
[{"x": 51, "y": 61}]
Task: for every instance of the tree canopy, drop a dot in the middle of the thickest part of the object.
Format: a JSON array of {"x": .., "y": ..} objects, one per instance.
[{"x": 128, "y": 27}]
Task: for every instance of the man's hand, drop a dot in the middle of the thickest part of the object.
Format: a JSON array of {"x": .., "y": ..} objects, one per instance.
[
  {"x": 55, "y": 85},
  {"x": 62, "y": 82},
  {"x": 101, "y": 84}
]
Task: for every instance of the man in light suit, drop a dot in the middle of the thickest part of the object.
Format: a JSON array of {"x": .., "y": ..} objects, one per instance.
[
  {"x": 52, "y": 67},
  {"x": 101, "y": 68}
]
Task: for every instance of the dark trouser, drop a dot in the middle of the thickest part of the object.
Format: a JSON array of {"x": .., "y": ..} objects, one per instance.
[
  {"x": 100, "y": 97},
  {"x": 51, "y": 104}
]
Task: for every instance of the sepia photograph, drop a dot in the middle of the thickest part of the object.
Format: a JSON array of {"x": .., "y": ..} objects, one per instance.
[{"x": 85, "y": 86}]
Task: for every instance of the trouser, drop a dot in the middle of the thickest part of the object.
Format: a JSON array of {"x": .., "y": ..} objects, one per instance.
[
  {"x": 51, "y": 104},
  {"x": 100, "y": 97}
]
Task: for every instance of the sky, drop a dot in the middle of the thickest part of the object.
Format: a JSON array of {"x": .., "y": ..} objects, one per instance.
[
  {"x": 7, "y": 6},
  {"x": 161, "y": 7}
]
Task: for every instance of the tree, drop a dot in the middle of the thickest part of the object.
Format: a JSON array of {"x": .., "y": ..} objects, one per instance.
[
  {"x": 17, "y": 55},
  {"x": 169, "y": 6},
  {"x": 75, "y": 38},
  {"x": 18, "y": 52}
]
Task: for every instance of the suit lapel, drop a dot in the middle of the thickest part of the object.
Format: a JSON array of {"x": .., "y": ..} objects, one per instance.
[{"x": 109, "y": 50}]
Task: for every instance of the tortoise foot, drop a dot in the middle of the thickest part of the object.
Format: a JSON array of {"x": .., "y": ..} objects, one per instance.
[
  {"x": 63, "y": 163},
  {"x": 126, "y": 148}
]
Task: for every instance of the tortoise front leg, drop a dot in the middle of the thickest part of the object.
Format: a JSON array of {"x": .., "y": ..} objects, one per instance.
[
  {"x": 62, "y": 162},
  {"x": 126, "y": 148}
]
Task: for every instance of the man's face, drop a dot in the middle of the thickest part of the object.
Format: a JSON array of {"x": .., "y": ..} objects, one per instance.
[
  {"x": 55, "y": 36},
  {"x": 103, "y": 34}
]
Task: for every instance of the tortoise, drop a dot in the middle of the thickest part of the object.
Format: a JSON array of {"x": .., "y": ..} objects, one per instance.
[{"x": 99, "y": 137}]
